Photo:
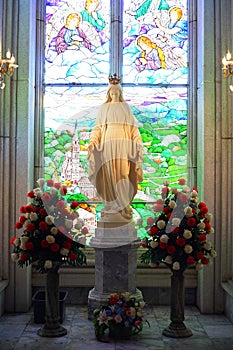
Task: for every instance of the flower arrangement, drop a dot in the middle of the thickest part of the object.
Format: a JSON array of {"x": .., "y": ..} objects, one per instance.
[
  {"x": 122, "y": 316},
  {"x": 47, "y": 222},
  {"x": 178, "y": 235}
]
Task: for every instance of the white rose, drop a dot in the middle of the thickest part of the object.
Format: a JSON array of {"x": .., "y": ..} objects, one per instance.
[
  {"x": 172, "y": 204},
  {"x": 17, "y": 242},
  {"x": 207, "y": 245},
  {"x": 40, "y": 182},
  {"x": 168, "y": 259},
  {"x": 68, "y": 223},
  {"x": 175, "y": 221},
  {"x": 161, "y": 224},
  {"x": 23, "y": 241},
  {"x": 50, "y": 239},
  {"x": 209, "y": 217},
  {"x": 176, "y": 265},
  {"x": 48, "y": 264},
  {"x": 82, "y": 240},
  {"x": 201, "y": 225},
  {"x": 79, "y": 224},
  {"x": 211, "y": 230},
  {"x": 188, "y": 249},
  {"x": 64, "y": 251},
  {"x": 38, "y": 192},
  {"x": 49, "y": 220},
  {"x": 187, "y": 234},
  {"x": 188, "y": 212},
  {"x": 164, "y": 238},
  {"x": 193, "y": 194},
  {"x": 54, "y": 231},
  {"x": 185, "y": 188},
  {"x": 33, "y": 216},
  {"x": 14, "y": 256},
  {"x": 154, "y": 244},
  {"x": 213, "y": 253}
]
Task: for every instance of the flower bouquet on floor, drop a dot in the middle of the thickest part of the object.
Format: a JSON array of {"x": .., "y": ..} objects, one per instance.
[
  {"x": 47, "y": 222},
  {"x": 122, "y": 316},
  {"x": 179, "y": 232}
]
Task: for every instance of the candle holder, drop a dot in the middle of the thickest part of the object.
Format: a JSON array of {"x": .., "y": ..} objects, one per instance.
[{"x": 7, "y": 67}]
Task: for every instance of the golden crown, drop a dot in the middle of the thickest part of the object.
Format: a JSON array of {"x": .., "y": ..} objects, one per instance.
[{"x": 114, "y": 79}]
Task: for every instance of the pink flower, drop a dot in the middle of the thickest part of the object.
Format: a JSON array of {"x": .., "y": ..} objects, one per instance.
[{"x": 118, "y": 318}]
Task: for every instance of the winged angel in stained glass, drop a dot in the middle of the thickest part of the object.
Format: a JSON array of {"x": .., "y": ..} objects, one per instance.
[
  {"x": 84, "y": 36},
  {"x": 157, "y": 35}
]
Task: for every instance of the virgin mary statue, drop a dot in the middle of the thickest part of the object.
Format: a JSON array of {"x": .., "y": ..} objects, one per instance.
[{"x": 115, "y": 154}]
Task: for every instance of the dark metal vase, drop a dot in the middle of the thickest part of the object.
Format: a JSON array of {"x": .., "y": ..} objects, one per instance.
[
  {"x": 52, "y": 327},
  {"x": 177, "y": 328}
]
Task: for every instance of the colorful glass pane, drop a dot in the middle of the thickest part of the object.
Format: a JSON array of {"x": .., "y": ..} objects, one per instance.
[
  {"x": 77, "y": 41},
  {"x": 155, "y": 41}
]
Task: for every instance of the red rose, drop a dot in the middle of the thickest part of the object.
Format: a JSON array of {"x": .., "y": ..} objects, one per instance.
[
  {"x": 22, "y": 219},
  {"x": 180, "y": 242},
  {"x": 50, "y": 183},
  {"x": 137, "y": 323},
  {"x": 44, "y": 243},
  {"x": 181, "y": 181},
  {"x": 18, "y": 225},
  {"x": 29, "y": 208},
  {"x": 207, "y": 226},
  {"x": 31, "y": 194},
  {"x": 176, "y": 231},
  {"x": 190, "y": 260},
  {"x": 203, "y": 211},
  {"x": 57, "y": 185},
  {"x": 150, "y": 221},
  {"x": 63, "y": 191},
  {"x": 191, "y": 221},
  {"x": 158, "y": 207},
  {"x": 74, "y": 204},
  {"x": 43, "y": 226},
  {"x": 202, "y": 238},
  {"x": 159, "y": 201},
  {"x": 201, "y": 205},
  {"x": 46, "y": 198},
  {"x": 23, "y": 257},
  {"x": 30, "y": 227},
  {"x": 113, "y": 299},
  {"x": 166, "y": 210},
  {"x": 195, "y": 189},
  {"x": 67, "y": 245},
  {"x": 72, "y": 256},
  {"x": 171, "y": 249},
  {"x": 165, "y": 190},
  {"x": 153, "y": 231},
  {"x": 54, "y": 247},
  {"x": 200, "y": 255},
  {"x": 23, "y": 209},
  {"x": 183, "y": 197},
  {"x": 29, "y": 245},
  {"x": 72, "y": 216},
  {"x": 43, "y": 213},
  {"x": 163, "y": 245},
  {"x": 12, "y": 240},
  {"x": 204, "y": 261}
]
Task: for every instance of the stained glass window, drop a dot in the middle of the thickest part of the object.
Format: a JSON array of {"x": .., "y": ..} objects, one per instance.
[{"x": 154, "y": 80}]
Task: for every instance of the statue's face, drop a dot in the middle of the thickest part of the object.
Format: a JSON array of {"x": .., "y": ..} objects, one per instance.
[{"x": 114, "y": 94}]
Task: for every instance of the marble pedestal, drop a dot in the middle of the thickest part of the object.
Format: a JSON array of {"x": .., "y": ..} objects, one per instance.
[{"x": 115, "y": 245}]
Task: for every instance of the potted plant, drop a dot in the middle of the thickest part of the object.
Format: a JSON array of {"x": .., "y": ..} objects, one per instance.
[
  {"x": 121, "y": 316},
  {"x": 178, "y": 236},
  {"x": 47, "y": 222}
]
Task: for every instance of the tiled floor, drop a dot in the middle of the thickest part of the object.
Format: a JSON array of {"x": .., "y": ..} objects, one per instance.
[{"x": 210, "y": 332}]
